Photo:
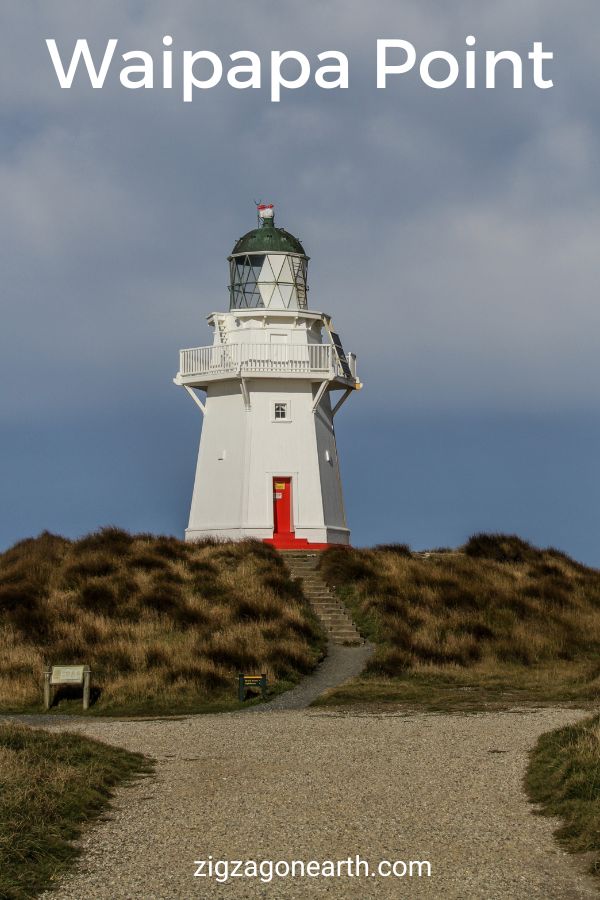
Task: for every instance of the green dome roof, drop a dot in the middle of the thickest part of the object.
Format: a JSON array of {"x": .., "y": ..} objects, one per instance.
[{"x": 267, "y": 238}]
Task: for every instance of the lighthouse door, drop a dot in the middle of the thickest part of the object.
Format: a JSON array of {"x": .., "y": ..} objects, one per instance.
[{"x": 282, "y": 506}]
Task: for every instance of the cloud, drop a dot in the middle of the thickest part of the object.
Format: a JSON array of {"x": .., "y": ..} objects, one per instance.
[{"x": 452, "y": 233}]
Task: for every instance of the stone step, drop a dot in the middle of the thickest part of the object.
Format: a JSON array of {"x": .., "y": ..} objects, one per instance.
[
  {"x": 332, "y": 613},
  {"x": 330, "y": 610},
  {"x": 345, "y": 636},
  {"x": 336, "y": 615},
  {"x": 309, "y": 575},
  {"x": 340, "y": 622},
  {"x": 291, "y": 559},
  {"x": 314, "y": 586},
  {"x": 320, "y": 601}
]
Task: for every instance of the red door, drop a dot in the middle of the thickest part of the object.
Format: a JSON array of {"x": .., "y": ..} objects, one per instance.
[{"x": 282, "y": 507}]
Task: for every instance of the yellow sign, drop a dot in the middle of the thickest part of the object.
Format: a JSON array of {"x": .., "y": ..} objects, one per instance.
[{"x": 279, "y": 486}]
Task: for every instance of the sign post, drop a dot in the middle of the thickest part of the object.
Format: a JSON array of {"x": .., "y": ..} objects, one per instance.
[
  {"x": 55, "y": 675},
  {"x": 245, "y": 681}
]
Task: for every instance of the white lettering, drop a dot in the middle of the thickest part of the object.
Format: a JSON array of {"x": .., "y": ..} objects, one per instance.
[
  {"x": 383, "y": 69},
  {"x": 492, "y": 59},
  {"x": 277, "y": 79},
  {"x": 470, "y": 62},
  {"x": 253, "y": 69},
  {"x": 190, "y": 81},
  {"x": 341, "y": 69},
  {"x": 453, "y": 70},
  {"x": 167, "y": 63},
  {"x": 146, "y": 69},
  {"x": 81, "y": 51},
  {"x": 538, "y": 56}
]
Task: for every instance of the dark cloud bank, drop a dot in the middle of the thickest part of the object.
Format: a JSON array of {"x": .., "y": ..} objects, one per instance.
[{"x": 453, "y": 236}]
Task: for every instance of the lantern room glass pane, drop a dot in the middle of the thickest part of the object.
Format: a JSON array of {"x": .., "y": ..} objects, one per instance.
[{"x": 274, "y": 280}]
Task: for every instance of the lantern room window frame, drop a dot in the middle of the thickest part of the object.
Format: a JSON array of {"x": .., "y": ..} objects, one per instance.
[{"x": 248, "y": 271}]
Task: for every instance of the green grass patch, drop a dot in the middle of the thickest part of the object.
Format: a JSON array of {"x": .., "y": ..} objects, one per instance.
[
  {"x": 50, "y": 786},
  {"x": 468, "y": 691},
  {"x": 496, "y": 623},
  {"x": 564, "y": 778}
]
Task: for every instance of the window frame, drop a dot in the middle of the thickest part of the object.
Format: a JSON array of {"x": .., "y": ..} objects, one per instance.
[{"x": 288, "y": 411}]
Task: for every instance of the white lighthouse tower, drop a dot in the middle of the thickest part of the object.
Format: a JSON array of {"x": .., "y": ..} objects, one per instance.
[{"x": 268, "y": 464}]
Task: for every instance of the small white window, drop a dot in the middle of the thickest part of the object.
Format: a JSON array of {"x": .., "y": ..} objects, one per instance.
[{"x": 281, "y": 412}]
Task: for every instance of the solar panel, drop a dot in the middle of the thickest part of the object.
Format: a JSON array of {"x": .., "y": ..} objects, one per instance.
[{"x": 335, "y": 338}]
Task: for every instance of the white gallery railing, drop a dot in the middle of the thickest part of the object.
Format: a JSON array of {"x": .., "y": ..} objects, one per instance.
[{"x": 295, "y": 359}]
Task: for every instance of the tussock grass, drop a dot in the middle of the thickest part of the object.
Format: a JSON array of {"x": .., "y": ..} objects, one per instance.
[
  {"x": 564, "y": 778},
  {"x": 165, "y": 625},
  {"x": 50, "y": 785},
  {"x": 498, "y": 619}
]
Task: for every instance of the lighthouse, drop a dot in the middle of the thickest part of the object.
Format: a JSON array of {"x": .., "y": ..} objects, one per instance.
[{"x": 269, "y": 387}]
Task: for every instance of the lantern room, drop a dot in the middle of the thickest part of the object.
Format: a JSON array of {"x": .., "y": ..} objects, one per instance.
[{"x": 268, "y": 268}]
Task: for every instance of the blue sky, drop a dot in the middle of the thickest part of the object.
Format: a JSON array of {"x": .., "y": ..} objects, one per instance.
[{"x": 453, "y": 236}]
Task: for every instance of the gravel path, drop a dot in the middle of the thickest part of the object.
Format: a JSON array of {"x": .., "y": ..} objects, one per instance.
[
  {"x": 340, "y": 664},
  {"x": 320, "y": 784}
]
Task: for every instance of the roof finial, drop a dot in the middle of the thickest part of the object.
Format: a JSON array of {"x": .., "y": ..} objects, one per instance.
[{"x": 266, "y": 213}]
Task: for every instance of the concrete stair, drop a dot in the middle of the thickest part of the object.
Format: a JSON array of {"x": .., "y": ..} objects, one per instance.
[{"x": 333, "y": 614}]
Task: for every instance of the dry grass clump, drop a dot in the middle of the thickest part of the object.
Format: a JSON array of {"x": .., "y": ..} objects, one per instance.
[
  {"x": 50, "y": 785},
  {"x": 164, "y": 625},
  {"x": 564, "y": 777},
  {"x": 498, "y": 605}
]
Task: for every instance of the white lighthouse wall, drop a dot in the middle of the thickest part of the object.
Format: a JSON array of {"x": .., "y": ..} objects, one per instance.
[
  {"x": 243, "y": 450},
  {"x": 244, "y": 327},
  {"x": 329, "y": 472},
  {"x": 217, "y": 498},
  {"x": 290, "y": 448}
]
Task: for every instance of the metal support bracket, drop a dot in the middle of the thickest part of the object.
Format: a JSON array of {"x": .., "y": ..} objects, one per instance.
[
  {"x": 245, "y": 393},
  {"x": 196, "y": 398},
  {"x": 341, "y": 401},
  {"x": 319, "y": 396}
]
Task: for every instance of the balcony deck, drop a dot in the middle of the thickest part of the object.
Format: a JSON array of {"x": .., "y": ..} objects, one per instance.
[{"x": 318, "y": 362}]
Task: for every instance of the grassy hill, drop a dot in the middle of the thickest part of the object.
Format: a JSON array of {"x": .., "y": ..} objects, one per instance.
[
  {"x": 494, "y": 623},
  {"x": 52, "y": 785},
  {"x": 563, "y": 777},
  {"x": 164, "y": 625}
]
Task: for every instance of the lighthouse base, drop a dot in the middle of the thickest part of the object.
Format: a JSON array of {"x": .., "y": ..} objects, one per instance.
[
  {"x": 289, "y": 542},
  {"x": 319, "y": 540}
]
